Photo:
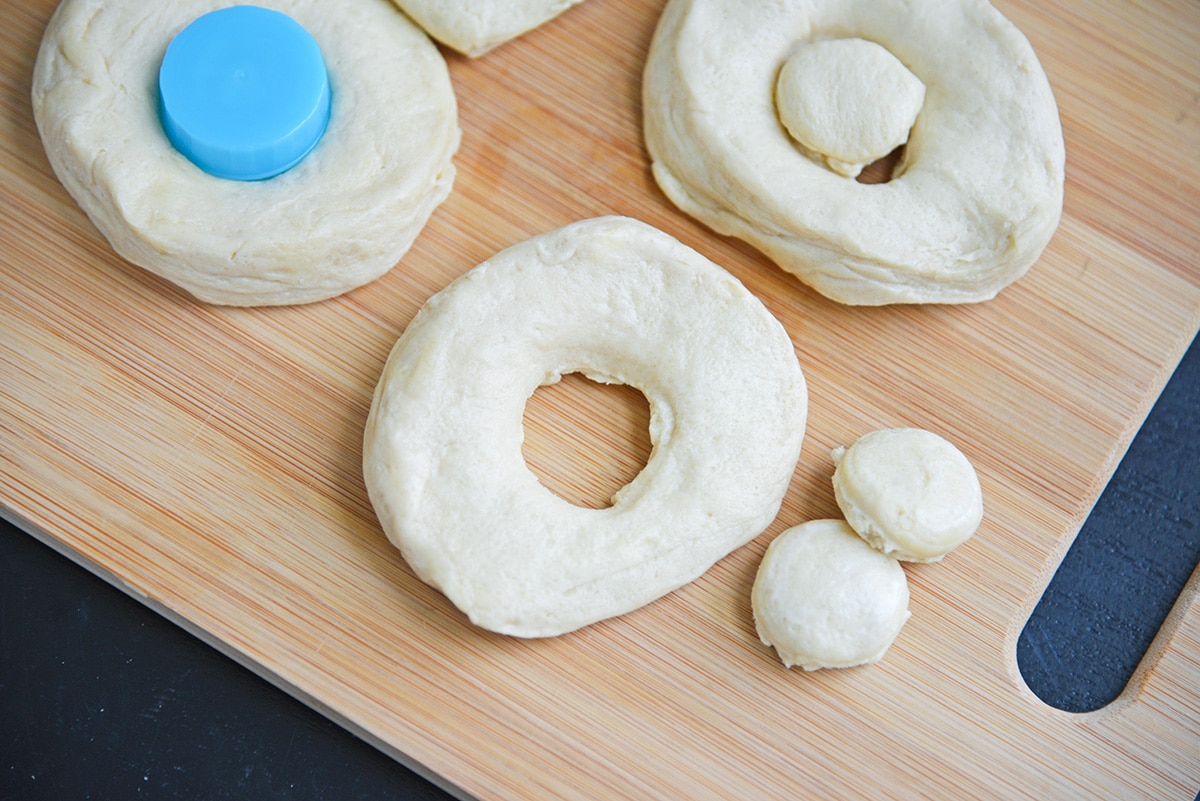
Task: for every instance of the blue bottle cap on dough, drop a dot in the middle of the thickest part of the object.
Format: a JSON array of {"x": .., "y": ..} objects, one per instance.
[{"x": 243, "y": 93}]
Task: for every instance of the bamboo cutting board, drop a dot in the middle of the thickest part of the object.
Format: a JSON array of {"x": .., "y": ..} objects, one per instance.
[{"x": 208, "y": 459}]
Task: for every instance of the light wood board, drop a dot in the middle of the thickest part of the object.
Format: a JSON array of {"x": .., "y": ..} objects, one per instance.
[{"x": 209, "y": 459}]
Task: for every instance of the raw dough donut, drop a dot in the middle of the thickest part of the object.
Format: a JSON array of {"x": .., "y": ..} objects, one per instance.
[
  {"x": 908, "y": 492},
  {"x": 972, "y": 205},
  {"x": 474, "y": 27},
  {"x": 341, "y": 218},
  {"x": 826, "y": 599},
  {"x": 620, "y": 302}
]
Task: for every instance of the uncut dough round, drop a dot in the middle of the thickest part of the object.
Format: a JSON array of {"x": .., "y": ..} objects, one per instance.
[
  {"x": 473, "y": 27},
  {"x": 825, "y": 599},
  {"x": 974, "y": 202},
  {"x": 908, "y": 492},
  {"x": 341, "y": 218},
  {"x": 620, "y": 302}
]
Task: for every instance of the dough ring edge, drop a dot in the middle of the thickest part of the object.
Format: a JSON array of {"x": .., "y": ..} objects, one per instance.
[{"x": 615, "y": 299}]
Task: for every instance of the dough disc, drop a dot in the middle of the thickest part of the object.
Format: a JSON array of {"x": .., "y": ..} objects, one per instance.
[
  {"x": 341, "y": 218},
  {"x": 474, "y": 27},
  {"x": 908, "y": 492},
  {"x": 824, "y": 598},
  {"x": 620, "y": 302},
  {"x": 977, "y": 196}
]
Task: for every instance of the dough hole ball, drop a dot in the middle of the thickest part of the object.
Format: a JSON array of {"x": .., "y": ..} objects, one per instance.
[
  {"x": 823, "y": 598},
  {"x": 908, "y": 492},
  {"x": 849, "y": 102},
  {"x": 595, "y": 459}
]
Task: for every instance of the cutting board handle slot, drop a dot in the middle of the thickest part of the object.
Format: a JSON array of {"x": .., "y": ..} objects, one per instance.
[{"x": 1095, "y": 626}]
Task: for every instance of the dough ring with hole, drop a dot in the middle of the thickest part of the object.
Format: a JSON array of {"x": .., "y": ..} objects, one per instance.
[
  {"x": 339, "y": 219},
  {"x": 824, "y": 598},
  {"x": 978, "y": 192},
  {"x": 473, "y": 27},
  {"x": 908, "y": 492},
  {"x": 620, "y": 302}
]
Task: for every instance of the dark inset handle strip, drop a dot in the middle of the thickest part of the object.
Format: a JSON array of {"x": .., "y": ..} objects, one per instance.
[{"x": 1129, "y": 563}]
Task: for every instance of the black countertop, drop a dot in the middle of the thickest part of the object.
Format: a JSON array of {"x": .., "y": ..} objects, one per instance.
[{"x": 101, "y": 698}]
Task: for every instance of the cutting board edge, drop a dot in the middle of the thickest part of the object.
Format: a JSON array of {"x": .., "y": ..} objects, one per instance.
[{"x": 232, "y": 652}]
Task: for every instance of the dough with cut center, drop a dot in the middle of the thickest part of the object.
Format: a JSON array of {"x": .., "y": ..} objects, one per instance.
[
  {"x": 342, "y": 217},
  {"x": 976, "y": 196},
  {"x": 620, "y": 302},
  {"x": 908, "y": 492},
  {"x": 824, "y": 598},
  {"x": 473, "y": 27}
]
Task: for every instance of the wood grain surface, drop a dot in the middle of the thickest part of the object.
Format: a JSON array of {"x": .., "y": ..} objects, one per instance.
[{"x": 208, "y": 459}]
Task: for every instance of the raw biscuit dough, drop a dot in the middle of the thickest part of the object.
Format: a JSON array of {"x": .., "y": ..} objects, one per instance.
[
  {"x": 474, "y": 27},
  {"x": 975, "y": 199},
  {"x": 848, "y": 102},
  {"x": 341, "y": 218},
  {"x": 824, "y": 598},
  {"x": 908, "y": 492},
  {"x": 620, "y": 302}
]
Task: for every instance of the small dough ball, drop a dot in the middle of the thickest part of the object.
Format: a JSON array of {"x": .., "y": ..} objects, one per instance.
[
  {"x": 848, "y": 101},
  {"x": 908, "y": 492},
  {"x": 824, "y": 598},
  {"x": 623, "y": 303}
]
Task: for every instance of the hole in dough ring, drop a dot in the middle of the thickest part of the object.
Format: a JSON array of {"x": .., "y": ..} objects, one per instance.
[
  {"x": 619, "y": 301},
  {"x": 340, "y": 218},
  {"x": 972, "y": 206}
]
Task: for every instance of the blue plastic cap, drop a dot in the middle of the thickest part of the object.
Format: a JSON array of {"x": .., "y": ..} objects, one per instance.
[{"x": 243, "y": 93}]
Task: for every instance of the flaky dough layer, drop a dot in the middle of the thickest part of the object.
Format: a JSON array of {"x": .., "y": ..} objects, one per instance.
[
  {"x": 473, "y": 27},
  {"x": 620, "y": 302},
  {"x": 976, "y": 199},
  {"x": 341, "y": 218}
]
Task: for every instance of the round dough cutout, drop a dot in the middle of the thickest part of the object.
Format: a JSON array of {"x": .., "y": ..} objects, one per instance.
[
  {"x": 339, "y": 219},
  {"x": 823, "y": 598},
  {"x": 620, "y": 302},
  {"x": 908, "y": 492},
  {"x": 848, "y": 102},
  {"x": 976, "y": 196}
]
